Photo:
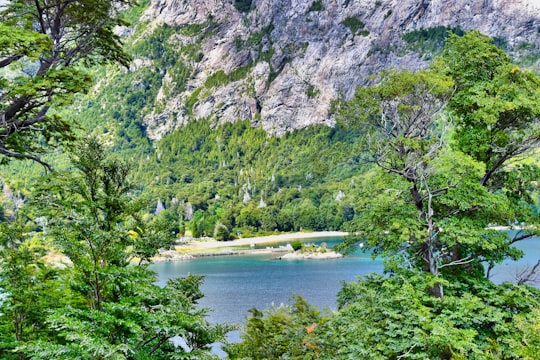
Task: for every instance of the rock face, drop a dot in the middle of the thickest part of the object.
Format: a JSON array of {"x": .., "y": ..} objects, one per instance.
[{"x": 298, "y": 55}]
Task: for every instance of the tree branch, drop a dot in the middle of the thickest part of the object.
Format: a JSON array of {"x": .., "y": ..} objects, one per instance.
[
  {"x": 463, "y": 261},
  {"x": 17, "y": 155}
]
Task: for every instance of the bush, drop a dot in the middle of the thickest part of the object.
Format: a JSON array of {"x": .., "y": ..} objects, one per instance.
[
  {"x": 222, "y": 233},
  {"x": 242, "y": 5},
  {"x": 316, "y": 6},
  {"x": 296, "y": 245},
  {"x": 355, "y": 25}
]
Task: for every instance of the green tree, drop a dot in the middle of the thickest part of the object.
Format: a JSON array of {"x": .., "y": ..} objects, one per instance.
[
  {"x": 495, "y": 105},
  {"x": 44, "y": 47},
  {"x": 436, "y": 202},
  {"x": 279, "y": 333},
  {"x": 404, "y": 132},
  {"x": 29, "y": 288},
  {"x": 394, "y": 317},
  {"x": 496, "y": 112},
  {"x": 117, "y": 311}
]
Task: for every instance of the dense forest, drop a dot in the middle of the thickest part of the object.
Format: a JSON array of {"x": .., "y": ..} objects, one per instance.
[{"x": 420, "y": 167}]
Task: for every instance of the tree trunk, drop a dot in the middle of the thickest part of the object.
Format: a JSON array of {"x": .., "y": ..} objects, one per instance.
[{"x": 437, "y": 291}]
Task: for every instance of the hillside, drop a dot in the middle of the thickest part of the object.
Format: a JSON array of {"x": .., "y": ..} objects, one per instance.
[{"x": 212, "y": 81}]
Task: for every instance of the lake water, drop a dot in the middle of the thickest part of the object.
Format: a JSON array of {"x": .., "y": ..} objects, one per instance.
[{"x": 235, "y": 284}]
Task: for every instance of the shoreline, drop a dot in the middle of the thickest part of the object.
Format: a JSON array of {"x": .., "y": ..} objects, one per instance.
[
  {"x": 208, "y": 247},
  {"x": 194, "y": 249},
  {"x": 195, "y": 245}
]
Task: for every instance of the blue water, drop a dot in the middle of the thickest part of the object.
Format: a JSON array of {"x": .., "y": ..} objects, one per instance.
[
  {"x": 508, "y": 269},
  {"x": 235, "y": 284}
]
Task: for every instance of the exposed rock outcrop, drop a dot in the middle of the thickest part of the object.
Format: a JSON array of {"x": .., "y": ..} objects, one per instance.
[{"x": 298, "y": 55}]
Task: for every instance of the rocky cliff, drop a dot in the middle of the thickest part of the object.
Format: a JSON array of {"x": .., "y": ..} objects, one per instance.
[{"x": 279, "y": 63}]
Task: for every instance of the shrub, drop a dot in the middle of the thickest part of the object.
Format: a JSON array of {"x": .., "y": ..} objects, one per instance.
[
  {"x": 355, "y": 25},
  {"x": 296, "y": 245},
  {"x": 243, "y": 6},
  {"x": 316, "y": 6}
]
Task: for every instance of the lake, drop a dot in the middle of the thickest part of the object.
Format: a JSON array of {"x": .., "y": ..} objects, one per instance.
[{"x": 235, "y": 284}]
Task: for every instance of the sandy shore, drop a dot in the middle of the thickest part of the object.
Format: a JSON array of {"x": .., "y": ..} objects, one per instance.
[
  {"x": 281, "y": 238},
  {"x": 311, "y": 256}
]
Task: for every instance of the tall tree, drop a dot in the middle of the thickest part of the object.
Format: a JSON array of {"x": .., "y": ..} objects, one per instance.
[
  {"x": 447, "y": 175},
  {"x": 44, "y": 48},
  {"x": 116, "y": 310},
  {"x": 496, "y": 111}
]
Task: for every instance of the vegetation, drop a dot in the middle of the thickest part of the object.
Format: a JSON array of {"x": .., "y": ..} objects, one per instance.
[
  {"x": 387, "y": 317},
  {"x": 219, "y": 78},
  {"x": 356, "y": 25},
  {"x": 236, "y": 176},
  {"x": 243, "y": 6},
  {"x": 297, "y": 245},
  {"x": 44, "y": 48},
  {"x": 419, "y": 167},
  {"x": 102, "y": 305},
  {"x": 447, "y": 145},
  {"x": 317, "y": 5},
  {"x": 430, "y": 41},
  {"x": 103, "y": 302}
]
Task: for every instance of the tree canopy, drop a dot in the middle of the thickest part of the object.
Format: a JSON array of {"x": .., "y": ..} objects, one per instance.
[
  {"x": 104, "y": 303},
  {"x": 448, "y": 141},
  {"x": 44, "y": 49},
  {"x": 448, "y": 145}
]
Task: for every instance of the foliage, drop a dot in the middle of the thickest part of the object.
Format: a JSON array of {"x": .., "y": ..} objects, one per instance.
[
  {"x": 298, "y": 177},
  {"x": 497, "y": 120},
  {"x": 386, "y": 318},
  {"x": 355, "y": 25},
  {"x": 278, "y": 333},
  {"x": 430, "y": 41},
  {"x": 219, "y": 78},
  {"x": 111, "y": 307},
  {"x": 497, "y": 102},
  {"x": 222, "y": 173},
  {"x": 92, "y": 216},
  {"x": 139, "y": 325},
  {"x": 395, "y": 317},
  {"x": 450, "y": 181},
  {"x": 296, "y": 245},
  {"x": 44, "y": 48},
  {"x": 317, "y": 5},
  {"x": 29, "y": 288},
  {"x": 311, "y": 91},
  {"x": 243, "y": 6}
]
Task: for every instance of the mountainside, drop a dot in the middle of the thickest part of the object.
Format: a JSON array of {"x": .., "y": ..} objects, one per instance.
[
  {"x": 279, "y": 63},
  {"x": 259, "y": 67}
]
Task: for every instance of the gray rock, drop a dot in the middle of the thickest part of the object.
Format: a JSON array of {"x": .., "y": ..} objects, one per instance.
[{"x": 315, "y": 57}]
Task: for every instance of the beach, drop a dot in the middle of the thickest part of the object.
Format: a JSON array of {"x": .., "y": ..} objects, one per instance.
[{"x": 206, "y": 244}]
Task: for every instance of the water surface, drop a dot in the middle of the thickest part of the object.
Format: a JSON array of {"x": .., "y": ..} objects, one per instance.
[{"x": 235, "y": 284}]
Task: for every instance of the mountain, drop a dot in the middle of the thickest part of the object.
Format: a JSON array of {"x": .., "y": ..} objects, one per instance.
[
  {"x": 210, "y": 80},
  {"x": 280, "y": 63}
]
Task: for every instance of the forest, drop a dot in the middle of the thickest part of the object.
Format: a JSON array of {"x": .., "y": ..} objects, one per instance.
[{"x": 422, "y": 167}]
